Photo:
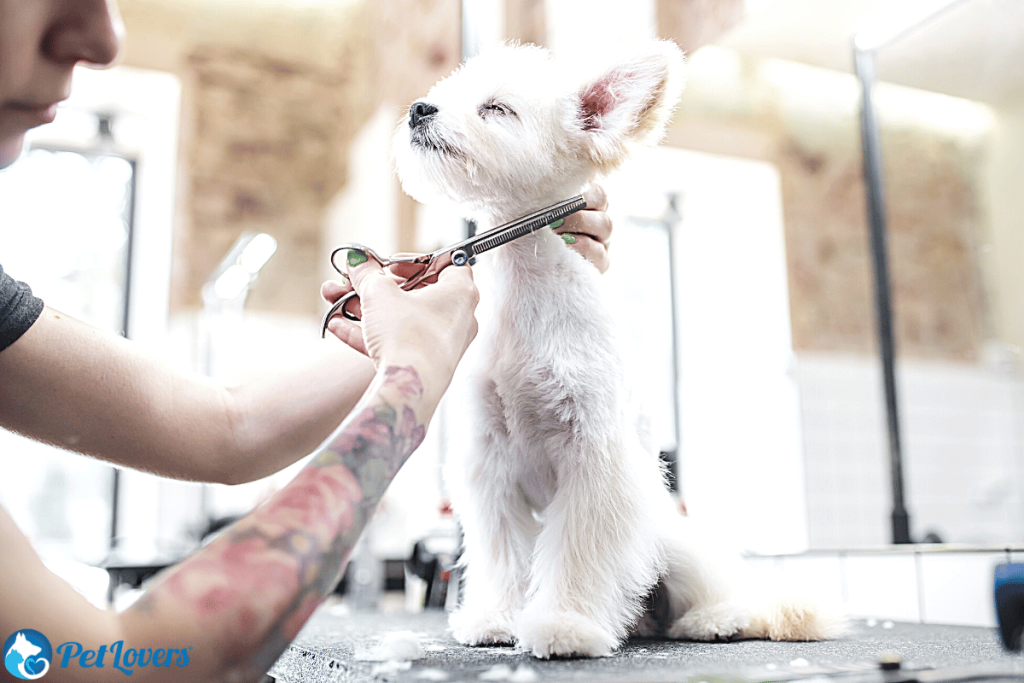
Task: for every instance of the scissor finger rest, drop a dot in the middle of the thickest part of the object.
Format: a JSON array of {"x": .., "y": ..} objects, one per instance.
[{"x": 339, "y": 305}]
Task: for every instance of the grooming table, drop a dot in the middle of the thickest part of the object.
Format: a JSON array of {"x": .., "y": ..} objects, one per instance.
[{"x": 337, "y": 645}]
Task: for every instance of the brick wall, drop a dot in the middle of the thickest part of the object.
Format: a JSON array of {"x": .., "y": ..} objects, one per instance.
[
  {"x": 934, "y": 198},
  {"x": 266, "y": 155}
]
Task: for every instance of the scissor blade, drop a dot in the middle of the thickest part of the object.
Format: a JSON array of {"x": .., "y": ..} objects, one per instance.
[{"x": 503, "y": 234}]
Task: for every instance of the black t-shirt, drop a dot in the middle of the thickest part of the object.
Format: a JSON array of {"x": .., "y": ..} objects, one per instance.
[{"x": 18, "y": 309}]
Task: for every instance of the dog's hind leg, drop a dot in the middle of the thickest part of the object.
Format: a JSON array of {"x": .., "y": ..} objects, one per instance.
[
  {"x": 699, "y": 588},
  {"x": 713, "y": 596}
]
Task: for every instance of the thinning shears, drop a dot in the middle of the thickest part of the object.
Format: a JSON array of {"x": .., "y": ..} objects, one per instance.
[{"x": 457, "y": 254}]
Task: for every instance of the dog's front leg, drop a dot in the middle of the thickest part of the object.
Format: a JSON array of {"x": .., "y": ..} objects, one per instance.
[
  {"x": 496, "y": 562},
  {"x": 498, "y": 532},
  {"x": 595, "y": 560}
]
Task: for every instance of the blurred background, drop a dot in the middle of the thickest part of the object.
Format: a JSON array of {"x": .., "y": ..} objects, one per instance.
[{"x": 754, "y": 328}]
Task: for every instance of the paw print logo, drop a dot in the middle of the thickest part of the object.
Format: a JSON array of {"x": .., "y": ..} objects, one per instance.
[{"x": 27, "y": 654}]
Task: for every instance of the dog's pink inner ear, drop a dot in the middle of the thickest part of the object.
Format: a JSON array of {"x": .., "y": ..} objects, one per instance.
[{"x": 599, "y": 99}]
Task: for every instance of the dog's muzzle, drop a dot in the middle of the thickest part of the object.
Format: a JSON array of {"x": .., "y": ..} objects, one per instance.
[
  {"x": 420, "y": 113},
  {"x": 425, "y": 136}
]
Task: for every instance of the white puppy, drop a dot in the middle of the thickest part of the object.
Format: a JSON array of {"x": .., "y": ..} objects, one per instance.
[{"x": 570, "y": 532}]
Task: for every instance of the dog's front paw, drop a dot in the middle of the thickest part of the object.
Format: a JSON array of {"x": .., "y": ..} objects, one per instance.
[
  {"x": 715, "y": 622},
  {"x": 564, "y": 635},
  {"x": 471, "y": 627}
]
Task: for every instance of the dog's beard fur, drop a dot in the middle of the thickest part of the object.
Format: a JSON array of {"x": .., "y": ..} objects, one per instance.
[{"x": 569, "y": 527}]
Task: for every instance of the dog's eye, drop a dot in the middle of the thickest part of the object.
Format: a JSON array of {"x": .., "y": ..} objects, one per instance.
[{"x": 495, "y": 108}]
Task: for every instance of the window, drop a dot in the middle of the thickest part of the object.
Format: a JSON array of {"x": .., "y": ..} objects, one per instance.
[{"x": 87, "y": 223}]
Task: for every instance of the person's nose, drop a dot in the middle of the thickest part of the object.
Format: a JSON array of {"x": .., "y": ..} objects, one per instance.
[{"x": 89, "y": 31}]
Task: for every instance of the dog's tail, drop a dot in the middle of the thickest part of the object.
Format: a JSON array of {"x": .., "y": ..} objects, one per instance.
[{"x": 796, "y": 618}]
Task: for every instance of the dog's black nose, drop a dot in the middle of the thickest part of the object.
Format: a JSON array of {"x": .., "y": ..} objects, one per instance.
[{"x": 420, "y": 111}]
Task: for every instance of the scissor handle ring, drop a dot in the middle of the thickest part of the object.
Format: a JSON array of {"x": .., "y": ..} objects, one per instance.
[
  {"x": 341, "y": 305},
  {"x": 384, "y": 262}
]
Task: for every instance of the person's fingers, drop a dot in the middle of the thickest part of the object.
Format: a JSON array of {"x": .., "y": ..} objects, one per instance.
[
  {"x": 459, "y": 279},
  {"x": 596, "y": 197},
  {"x": 366, "y": 273},
  {"x": 405, "y": 270},
  {"x": 589, "y": 232},
  {"x": 332, "y": 290},
  {"x": 594, "y": 222},
  {"x": 453, "y": 273},
  {"x": 435, "y": 322},
  {"x": 456, "y": 283},
  {"x": 349, "y": 332},
  {"x": 590, "y": 249},
  {"x": 597, "y": 225}
]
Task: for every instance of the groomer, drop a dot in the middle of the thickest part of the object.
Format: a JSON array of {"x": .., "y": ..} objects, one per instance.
[{"x": 228, "y": 611}]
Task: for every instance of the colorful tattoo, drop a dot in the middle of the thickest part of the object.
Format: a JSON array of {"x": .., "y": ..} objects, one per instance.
[{"x": 259, "y": 582}]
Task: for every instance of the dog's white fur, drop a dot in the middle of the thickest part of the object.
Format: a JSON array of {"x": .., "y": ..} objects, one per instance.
[{"x": 568, "y": 523}]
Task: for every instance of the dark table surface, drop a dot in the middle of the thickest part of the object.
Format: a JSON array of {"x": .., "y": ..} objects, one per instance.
[{"x": 339, "y": 645}]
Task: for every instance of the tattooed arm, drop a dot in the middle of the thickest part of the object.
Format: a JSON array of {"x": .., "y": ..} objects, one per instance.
[
  {"x": 252, "y": 588},
  {"x": 228, "y": 612}
]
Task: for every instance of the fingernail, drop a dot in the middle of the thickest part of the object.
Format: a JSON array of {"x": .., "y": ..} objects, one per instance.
[
  {"x": 557, "y": 224},
  {"x": 355, "y": 257},
  {"x": 569, "y": 239}
]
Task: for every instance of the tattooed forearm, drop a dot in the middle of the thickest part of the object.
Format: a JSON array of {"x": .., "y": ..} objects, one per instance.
[{"x": 258, "y": 583}]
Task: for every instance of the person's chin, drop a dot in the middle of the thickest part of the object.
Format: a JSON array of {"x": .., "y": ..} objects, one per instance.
[{"x": 10, "y": 150}]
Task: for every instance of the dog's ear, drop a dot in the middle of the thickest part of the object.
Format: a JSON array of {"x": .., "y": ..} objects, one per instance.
[{"x": 631, "y": 101}]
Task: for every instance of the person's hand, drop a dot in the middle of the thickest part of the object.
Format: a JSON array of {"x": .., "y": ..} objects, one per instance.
[
  {"x": 589, "y": 231},
  {"x": 429, "y": 326}
]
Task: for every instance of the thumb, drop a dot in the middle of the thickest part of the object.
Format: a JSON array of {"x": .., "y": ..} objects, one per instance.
[{"x": 365, "y": 272}]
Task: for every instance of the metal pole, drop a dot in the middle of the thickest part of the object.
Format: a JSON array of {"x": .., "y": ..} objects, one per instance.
[
  {"x": 672, "y": 218},
  {"x": 864, "y": 67}
]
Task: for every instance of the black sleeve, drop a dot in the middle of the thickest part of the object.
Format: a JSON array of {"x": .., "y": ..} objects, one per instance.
[{"x": 18, "y": 309}]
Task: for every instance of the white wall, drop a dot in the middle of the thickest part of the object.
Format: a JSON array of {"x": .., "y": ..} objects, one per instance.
[
  {"x": 963, "y": 452},
  {"x": 741, "y": 465},
  {"x": 922, "y": 584},
  {"x": 1004, "y": 244}
]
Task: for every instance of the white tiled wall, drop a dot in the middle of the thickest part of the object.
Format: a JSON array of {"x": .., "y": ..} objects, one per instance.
[
  {"x": 961, "y": 429},
  {"x": 918, "y": 584},
  {"x": 957, "y": 588},
  {"x": 883, "y": 586}
]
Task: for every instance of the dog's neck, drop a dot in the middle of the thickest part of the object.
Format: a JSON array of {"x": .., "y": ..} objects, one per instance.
[
  {"x": 536, "y": 250},
  {"x": 487, "y": 217}
]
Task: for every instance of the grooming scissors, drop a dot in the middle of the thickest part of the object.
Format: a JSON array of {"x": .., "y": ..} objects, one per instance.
[{"x": 458, "y": 254}]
